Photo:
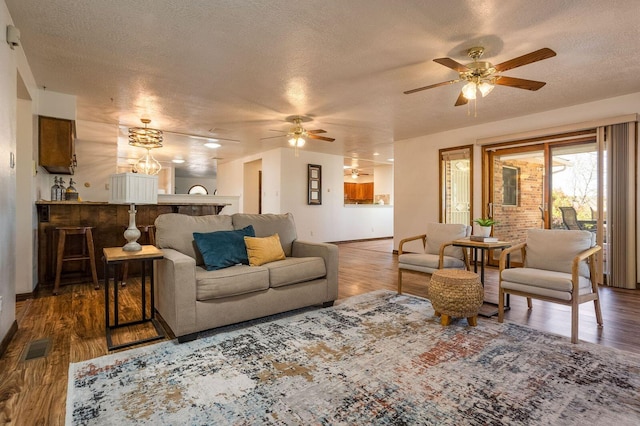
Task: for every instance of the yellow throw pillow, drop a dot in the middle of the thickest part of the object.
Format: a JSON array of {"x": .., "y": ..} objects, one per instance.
[{"x": 263, "y": 250}]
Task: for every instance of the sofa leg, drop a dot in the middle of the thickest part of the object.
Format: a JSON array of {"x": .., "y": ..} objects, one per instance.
[
  {"x": 327, "y": 304},
  {"x": 187, "y": 337}
]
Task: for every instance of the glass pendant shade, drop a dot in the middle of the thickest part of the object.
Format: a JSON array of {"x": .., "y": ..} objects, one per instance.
[
  {"x": 469, "y": 90},
  {"x": 296, "y": 141},
  {"x": 148, "y": 165},
  {"x": 485, "y": 88}
]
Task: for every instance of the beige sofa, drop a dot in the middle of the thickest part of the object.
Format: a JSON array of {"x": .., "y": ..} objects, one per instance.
[{"x": 190, "y": 298}]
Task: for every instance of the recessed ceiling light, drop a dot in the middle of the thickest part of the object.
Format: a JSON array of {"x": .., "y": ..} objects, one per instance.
[
  {"x": 376, "y": 153},
  {"x": 346, "y": 167},
  {"x": 212, "y": 145},
  {"x": 177, "y": 160},
  {"x": 390, "y": 159}
]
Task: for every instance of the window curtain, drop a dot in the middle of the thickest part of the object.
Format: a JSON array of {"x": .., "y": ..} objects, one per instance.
[{"x": 620, "y": 229}]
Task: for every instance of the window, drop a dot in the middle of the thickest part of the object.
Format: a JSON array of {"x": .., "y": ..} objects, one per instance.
[{"x": 510, "y": 186}]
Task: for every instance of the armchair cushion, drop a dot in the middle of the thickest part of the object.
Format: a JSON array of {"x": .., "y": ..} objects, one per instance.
[
  {"x": 427, "y": 262},
  {"x": 440, "y": 233},
  {"x": 554, "y": 250},
  {"x": 543, "y": 282}
]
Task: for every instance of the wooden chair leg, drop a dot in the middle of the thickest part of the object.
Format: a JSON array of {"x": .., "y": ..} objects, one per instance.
[
  {"x": 92, "y": 258},
  {"x": 529, "y": 304},
  {"x": 574, "y": 322},
  {"x": 60, "y": 254},
  {"x": 473, "y": 321},
  {"x": 598, "y": 312},
  {"x": 399, "y": 281},
  {"x": 500, "y": 303}
]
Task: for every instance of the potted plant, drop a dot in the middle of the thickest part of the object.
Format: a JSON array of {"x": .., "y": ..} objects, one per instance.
[{"x": 484, "y": 226}]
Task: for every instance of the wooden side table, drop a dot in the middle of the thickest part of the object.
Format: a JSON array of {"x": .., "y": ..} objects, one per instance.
[
  {"x": 115, "y": 257},
  {"x": 488, "y": 309}
]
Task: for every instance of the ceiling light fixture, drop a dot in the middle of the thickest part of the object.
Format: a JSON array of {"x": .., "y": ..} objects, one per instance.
[
  {"x": 354, "y": 174},
  {"x": 145, "y": 137},
  {"x": 177, "y": 160},
  {"x": 296, "y": 142},
  {"x": 212, "y": 145},
  {"x": 148, "y": 165}
]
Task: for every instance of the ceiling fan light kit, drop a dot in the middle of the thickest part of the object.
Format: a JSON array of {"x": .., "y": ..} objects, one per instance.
[
  {"x": 298, "y": 134},
  {"x": 483, "y": 76}
]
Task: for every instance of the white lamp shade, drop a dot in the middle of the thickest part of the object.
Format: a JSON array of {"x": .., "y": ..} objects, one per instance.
[{"x": 133, "y": 188}]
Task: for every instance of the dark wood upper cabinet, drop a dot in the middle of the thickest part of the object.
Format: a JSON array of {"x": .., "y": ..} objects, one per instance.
[{"x": 56, "y": 145}]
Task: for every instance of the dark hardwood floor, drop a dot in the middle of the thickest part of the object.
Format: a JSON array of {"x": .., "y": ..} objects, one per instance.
[{"x": 33, "y": 392}]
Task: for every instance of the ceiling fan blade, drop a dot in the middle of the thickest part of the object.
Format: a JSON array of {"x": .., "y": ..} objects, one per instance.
[
  {"x": 461, "y": 100},
  {"x": 272, "y": 137},
  {"x": 444, "y": 83},
  {"x": 322, "y": 138},
  {"x": 529, "y": 58},
  {"x": 281, "y": 131},
  {"x": 450, "y": 63},
  {"x": 520, "y": 83},
  {"x": 316, "y": 131}
]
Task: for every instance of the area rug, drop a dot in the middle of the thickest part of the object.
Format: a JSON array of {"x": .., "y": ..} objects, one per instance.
[{"x": 377, "y": 358}]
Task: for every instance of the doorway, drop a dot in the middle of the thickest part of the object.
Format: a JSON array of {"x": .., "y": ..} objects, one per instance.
[{"x": 557, "y": 183}]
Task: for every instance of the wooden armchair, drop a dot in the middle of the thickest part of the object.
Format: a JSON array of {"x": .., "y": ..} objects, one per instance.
[
  {"x": 438, "y": 252},
  {"x": 559, "y": 267}
]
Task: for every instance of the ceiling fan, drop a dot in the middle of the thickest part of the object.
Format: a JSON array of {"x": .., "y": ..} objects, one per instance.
[
  {"x": 355, "y": 173},
  {"x": 482, "y": 76},
  {"x": 298, "y": 134}
]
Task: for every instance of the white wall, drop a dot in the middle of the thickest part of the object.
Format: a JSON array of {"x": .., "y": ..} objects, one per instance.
[
  {"x": 251, "y": 187},
  {"x": 284, "y": 186},
  {"x": 8, "y": 93},
  {"x": 26, "y": 224},
  {"x": 416, "y": 160},
  {"x": 383, "y": 181}
]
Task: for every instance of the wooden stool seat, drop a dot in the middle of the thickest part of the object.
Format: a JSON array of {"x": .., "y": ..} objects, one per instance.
[
  {"x": 456, "y": 293},
  {"x": 88, "y": 252},
  {"x": 148, "y": 233}
]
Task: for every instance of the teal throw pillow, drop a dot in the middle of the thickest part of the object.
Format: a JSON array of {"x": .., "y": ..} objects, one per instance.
[{"x": 222, "y": 249}]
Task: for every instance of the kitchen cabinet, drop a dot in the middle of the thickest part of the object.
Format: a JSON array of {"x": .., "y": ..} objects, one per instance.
[
  {"x": 358, "y": 192},
  {"x": 56, "y": 138}
]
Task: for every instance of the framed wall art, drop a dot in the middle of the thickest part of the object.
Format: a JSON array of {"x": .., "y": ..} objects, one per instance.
[{"x": 314, "y": 185}]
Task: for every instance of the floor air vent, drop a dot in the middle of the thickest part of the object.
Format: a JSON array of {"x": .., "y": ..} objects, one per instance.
[{"x": 37, "y": 349}]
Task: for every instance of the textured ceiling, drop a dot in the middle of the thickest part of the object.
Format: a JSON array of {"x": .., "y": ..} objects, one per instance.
[{"x": 235, "y": 69}]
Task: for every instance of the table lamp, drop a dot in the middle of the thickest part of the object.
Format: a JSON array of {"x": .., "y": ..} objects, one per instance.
[{"x": 133, "y": 188}]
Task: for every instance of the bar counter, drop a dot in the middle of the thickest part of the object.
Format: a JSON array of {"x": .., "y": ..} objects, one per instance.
[{"x": 108, "y": 221}]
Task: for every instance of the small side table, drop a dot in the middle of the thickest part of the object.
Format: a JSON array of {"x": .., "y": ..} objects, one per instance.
[
  {"x": 115, "y": 257},
  {"x": 488, "y": 309}
]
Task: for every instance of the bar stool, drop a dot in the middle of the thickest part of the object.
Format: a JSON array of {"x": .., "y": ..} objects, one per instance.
[
  {"x": 87, "y": 246},
  {"x": 147, "y": 233}
]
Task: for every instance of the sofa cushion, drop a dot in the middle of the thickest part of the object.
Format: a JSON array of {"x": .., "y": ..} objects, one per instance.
[
  {"x": 222, "y": 249},
  {"x": 175, "y": 231},
  {"x": 232, "y": 281},
  {"x": 269, "y": 224},
  {"x": 295, "y": 270},
  {"x": 263, "y": 250},
  {"x": 555, "y": 249}
]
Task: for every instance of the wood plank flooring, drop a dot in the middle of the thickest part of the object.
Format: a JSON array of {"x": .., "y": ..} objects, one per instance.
[{"x": 33, "y": 392}]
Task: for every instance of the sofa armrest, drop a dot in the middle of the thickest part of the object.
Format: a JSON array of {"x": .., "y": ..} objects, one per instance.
[
  {"x": 175, "y": 298},
  {"x": 329, "y": 252}
]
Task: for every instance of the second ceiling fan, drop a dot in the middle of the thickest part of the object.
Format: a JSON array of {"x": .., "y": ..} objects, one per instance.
[
  {"x": 482, "y": 76},
  {"x": 297, "y": 133}
]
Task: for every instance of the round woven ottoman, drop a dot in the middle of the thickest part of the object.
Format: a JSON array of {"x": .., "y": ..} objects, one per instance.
[{"x": 456, "y": 293}]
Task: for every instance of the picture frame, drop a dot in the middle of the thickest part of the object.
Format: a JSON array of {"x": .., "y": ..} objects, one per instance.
[{"x": 314, "y": 184}]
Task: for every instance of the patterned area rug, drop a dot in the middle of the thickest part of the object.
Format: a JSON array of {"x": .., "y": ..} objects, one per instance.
[{"x": 378, "y": 358}]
